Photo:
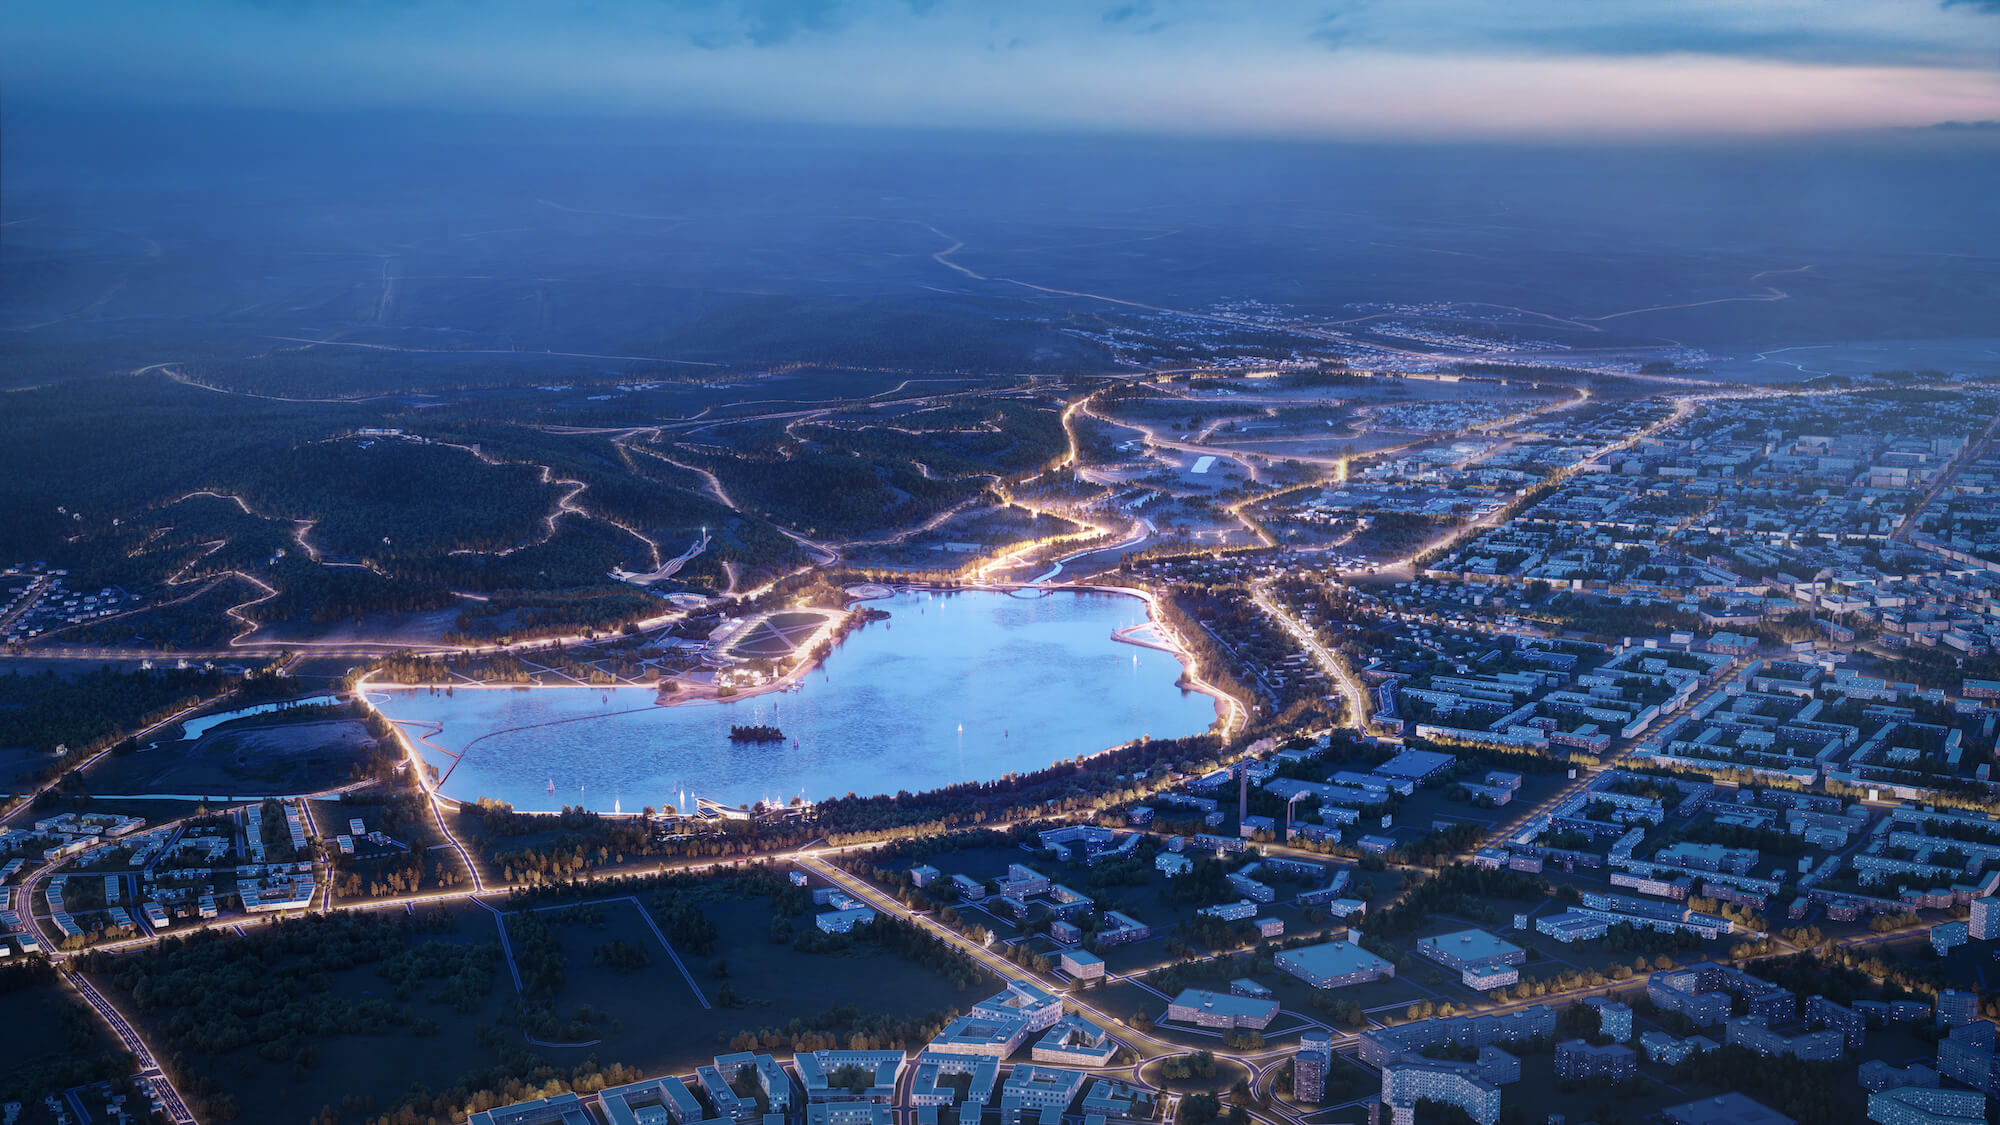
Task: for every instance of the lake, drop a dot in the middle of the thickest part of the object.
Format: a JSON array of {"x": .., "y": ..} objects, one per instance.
[{"x": 953, "y": 687}]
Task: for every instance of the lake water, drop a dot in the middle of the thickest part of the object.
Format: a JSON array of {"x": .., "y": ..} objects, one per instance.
[{"x": 953, "y": 687}]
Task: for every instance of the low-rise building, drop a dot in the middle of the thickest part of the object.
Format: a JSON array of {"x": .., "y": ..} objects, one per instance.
[
  {"x": 562, "y": 1109},
  {"x": 1221, "y": 1009},
  {"x": 1927, "y": 1105},
  {"x": 1613, "y": 1018},
  {"x": 1333, "y": 964},
  {"x": 1082, "y": 964},
  {"x": 1576, "y": 1058},
  {"x": 1466, "y": 948},
  {"x": 1075, "y": 1041},
  {"x": 1724, "y": 1109},
  {"x": 843, "y": 921},
  {"x": 1755, "y": 1033}
]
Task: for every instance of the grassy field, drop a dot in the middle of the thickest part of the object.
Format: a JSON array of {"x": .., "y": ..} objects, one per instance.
[{"x": 253, "y": 757}]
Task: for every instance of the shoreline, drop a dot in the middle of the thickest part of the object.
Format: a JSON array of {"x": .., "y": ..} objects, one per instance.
[
  {"x": 1229, "y": 712},
  {"x": 1227, "y": 707}
]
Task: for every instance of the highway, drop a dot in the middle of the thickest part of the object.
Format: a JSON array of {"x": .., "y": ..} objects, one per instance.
[{"x": 148, "y": 1067}]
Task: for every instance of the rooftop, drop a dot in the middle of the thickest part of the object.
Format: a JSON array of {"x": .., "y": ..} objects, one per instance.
[
  {"x": 1469, "y": 945},
  {"x": 1334, "y": 959},
  {"x": 1415, "y": 764},
  {"x": 1727, "y": 1109}
]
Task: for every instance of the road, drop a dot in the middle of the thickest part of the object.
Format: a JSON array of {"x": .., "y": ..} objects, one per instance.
[
  {"x": 1360, "y": 702},
  {"x": 148, "y": 1067},
  {"x": 27, "y": 801}
]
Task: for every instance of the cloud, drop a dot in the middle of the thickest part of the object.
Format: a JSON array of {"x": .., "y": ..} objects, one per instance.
[
  {"x": 776, "y": 21},
  {"x": 1434, "y": 68}
]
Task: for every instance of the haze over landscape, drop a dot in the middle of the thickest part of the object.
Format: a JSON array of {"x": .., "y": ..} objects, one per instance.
[{"x": 634, "y": 560}]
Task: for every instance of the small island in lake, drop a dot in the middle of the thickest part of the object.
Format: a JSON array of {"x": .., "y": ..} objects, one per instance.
[{"x": 756, "y": 733}]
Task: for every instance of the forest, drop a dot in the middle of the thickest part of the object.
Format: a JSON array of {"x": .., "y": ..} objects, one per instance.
[
  {"x": 213, "y": 994},
  {"x": 91, "y": 711}
]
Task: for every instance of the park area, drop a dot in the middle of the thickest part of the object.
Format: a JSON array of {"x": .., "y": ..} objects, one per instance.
[{"x": 367, "y": 1012}]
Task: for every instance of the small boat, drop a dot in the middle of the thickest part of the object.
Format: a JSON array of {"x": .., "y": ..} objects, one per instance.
[{"x": 552, "y": 785}]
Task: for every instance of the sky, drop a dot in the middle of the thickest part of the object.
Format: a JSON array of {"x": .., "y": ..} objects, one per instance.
[{"x": 1424, "y": 69}]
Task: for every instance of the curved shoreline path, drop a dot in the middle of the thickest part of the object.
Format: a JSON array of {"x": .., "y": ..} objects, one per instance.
[
  {"x": 952, "y": 688},
  {"x": 417, "y": 763}
]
